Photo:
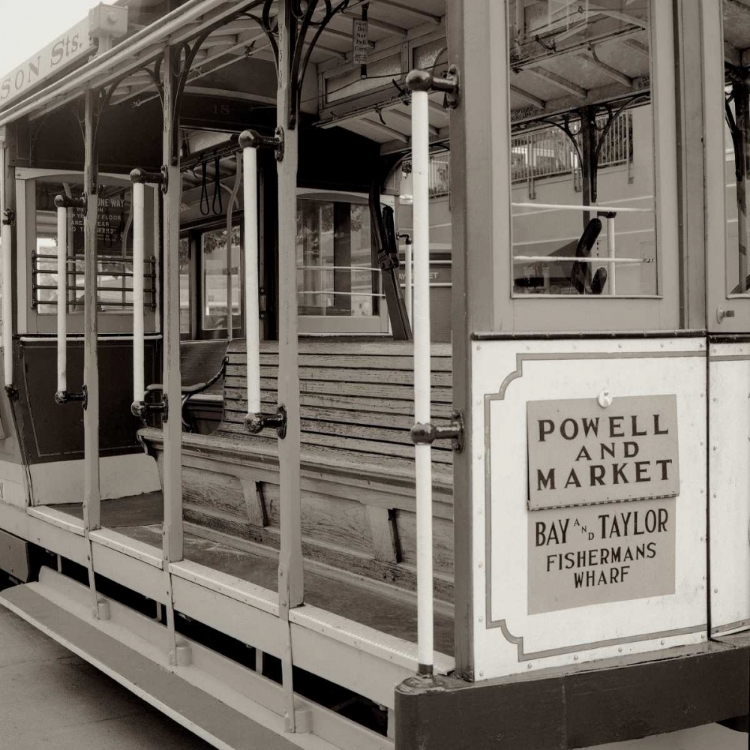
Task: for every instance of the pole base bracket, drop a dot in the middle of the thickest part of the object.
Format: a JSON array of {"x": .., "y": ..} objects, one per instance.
[
  {"x": 256, "y": 423},
  {"x": 64, "y": 397},
  {"x": 427, "y": 434}
]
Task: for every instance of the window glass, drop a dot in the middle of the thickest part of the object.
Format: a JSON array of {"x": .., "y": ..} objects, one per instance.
[
  {"x": 218, "y": 269},
  {"x": 113, "y": 246},
  {"x": 582, "y": 148},
  {"x": 336, "y": 273},
  {"x": 184, "y": 286},
  {"x": 737, "y": 142}
]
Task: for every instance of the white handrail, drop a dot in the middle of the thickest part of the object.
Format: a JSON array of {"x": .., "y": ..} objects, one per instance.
[
  {"x": 252, "y": 297},
  {"x": 139, "y": 242},
  {"x": 569, "y": 258},
  {"x": 420, "y": 120},
  {"x": 62, "y": 300},
  {"x": 612, "y": 285},
  {"x": 592, "y": 207}
]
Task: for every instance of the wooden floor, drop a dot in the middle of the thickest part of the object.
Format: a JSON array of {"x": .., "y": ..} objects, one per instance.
[{"x": 356, "y": 599}]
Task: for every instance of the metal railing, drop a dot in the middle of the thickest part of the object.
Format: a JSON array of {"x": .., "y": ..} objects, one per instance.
[
  {"x": 113, "y": 289},
  {"x": 549, "y": 152}
]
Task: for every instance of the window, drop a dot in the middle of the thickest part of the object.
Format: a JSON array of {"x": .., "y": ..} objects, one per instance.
[
  {"x": 736, "y": 20},
  {"x": 582, "y": 150},
  {"x": 185, "y": 306},
  {"x": 338, "y": 280},
  {"x": 113, "y": 243},
  {"x": 221, "y": 280}
]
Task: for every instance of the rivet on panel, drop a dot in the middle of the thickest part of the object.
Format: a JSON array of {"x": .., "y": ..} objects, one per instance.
[{"x": 481, "y": 619}]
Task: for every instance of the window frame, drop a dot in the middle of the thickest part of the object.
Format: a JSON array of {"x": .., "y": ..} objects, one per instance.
[
  {"x": 110, "y": 321},
  {"x": 338, "y": 324},
  {"x": 574, "y": 313},
  {"x": 718, "y": 296}
]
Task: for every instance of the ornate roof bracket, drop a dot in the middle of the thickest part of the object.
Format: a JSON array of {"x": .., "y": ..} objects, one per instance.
[{"x": 304, "y": 31}]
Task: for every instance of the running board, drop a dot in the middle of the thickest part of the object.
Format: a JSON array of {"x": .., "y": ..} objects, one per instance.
[{"x": 227, "y": 705}]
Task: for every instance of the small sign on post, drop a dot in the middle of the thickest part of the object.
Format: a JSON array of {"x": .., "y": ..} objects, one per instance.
[{"x": 360, "y": 41}]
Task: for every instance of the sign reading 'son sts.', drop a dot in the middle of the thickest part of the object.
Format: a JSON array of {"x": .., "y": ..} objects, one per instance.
[{"x": 54, "y": 57}]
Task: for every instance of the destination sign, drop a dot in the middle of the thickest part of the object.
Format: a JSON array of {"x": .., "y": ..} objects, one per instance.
[
  {"x": 70, "y": 46},
  {"x": 582, "y": 454},
  {"x": 593, "y": 555}
]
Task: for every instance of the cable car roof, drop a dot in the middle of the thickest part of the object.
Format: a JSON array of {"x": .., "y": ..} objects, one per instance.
[{"x": 563, "y": 58}]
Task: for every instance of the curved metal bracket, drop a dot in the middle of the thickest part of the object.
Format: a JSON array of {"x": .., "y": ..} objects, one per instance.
[{"x": 301, "y": 18}]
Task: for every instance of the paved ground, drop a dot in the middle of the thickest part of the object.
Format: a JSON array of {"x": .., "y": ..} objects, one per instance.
[{"x": 53, "y": 700}]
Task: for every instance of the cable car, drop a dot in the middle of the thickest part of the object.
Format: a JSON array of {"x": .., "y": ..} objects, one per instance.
[{"x": 376, "y": 373}]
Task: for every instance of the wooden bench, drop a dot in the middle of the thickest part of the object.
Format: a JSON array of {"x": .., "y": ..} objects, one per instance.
[{"x": 357, "y": 466}]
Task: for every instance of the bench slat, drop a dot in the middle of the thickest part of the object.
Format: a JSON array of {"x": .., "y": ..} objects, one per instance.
[
  {"x": 362, "y": 362},
  {"x": 234, "y": 388},
  {"x": 342, "y": 345},
  {"x": 237, "y": 402},
  {"x": 236, "y": 410},
  {"x": 346, "y": 443},
  {"x": 338, "y": 375}
]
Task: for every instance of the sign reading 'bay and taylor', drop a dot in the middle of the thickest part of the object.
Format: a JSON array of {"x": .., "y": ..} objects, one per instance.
[
  {"x": 56, "y": 56},
  {"x": 581, "y": 457},
  {"x": 582, "y": 454}
]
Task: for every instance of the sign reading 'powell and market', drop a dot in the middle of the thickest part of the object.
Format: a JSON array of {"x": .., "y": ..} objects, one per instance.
[{"x": 583, "y": 454}]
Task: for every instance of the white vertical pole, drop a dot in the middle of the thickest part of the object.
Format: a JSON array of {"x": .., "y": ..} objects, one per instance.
[
  {"x": 252, "y": 303},
  {"x": 611, "y": 284},
  {"x": 139, "y": 242},
  {"x": 7, "y": 288},
  {"x": 62, "y": 300},
  {"x": 421, "y": 250}
]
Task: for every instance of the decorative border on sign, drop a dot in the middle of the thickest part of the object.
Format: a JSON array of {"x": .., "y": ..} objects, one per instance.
[{"x": 518, "y": 641}]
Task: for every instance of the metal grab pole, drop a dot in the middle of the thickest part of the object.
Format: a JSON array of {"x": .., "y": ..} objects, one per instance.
[
  {"x": 139, "y": 208},
  {"x": 252, "y": 301},
  {"x": 421, "y": 324},
  {"x": 62, "y": 299},
  {"x": 255, "y": 420},
  {"x": 63, "y": 203}
]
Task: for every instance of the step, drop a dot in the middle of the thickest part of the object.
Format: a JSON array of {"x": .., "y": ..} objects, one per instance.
[{"x": 227, "y": 705}]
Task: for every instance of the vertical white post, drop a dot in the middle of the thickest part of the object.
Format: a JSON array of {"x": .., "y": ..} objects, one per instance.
[
  {"x": 62, "y": 300},
  {"x": 421, "y": 324},
  {"x": 139, "y": 207},
  {"x": 252, "y": 311},
  {"x": 611, "y": 283}
]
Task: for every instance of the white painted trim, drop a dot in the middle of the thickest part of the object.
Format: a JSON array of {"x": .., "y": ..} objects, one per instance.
[
  {"x": 227, "y": 585},
  {"x": 61, "y": 520},
  {"x": 62, "y": 481},
  {"x": 127, "y": 546}
]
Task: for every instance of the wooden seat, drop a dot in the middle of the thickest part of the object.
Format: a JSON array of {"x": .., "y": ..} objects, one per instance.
[{"x": 357, "y": 467}]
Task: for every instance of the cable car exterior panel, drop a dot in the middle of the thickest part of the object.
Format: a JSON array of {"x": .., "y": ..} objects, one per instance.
[{"x": 258, "y": 490}]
